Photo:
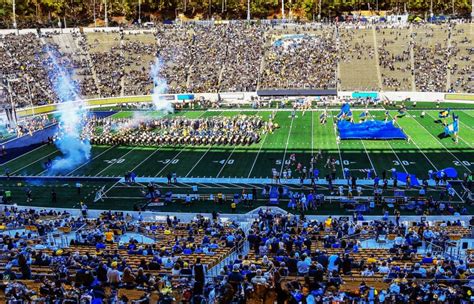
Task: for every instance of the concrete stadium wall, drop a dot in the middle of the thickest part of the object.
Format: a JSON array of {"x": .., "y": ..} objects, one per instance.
[
  {"x": 161, "y": 216},
  {"x": 234, "y": 97},
  {"x": 245, "y": 97},
  {"x": 419, "y": 96}
]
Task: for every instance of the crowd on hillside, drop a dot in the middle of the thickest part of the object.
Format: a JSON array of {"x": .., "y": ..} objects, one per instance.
[{"x": 287, "y": 259}]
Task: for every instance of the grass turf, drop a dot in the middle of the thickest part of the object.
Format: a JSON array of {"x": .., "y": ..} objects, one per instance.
[{"x": 302, "y": 136}]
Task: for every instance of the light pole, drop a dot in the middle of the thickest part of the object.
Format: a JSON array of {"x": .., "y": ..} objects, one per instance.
[
  {"x": 248, "y": 10},
  {"x": 14, "y": 15},
  {"x": 210, "y": 9},
  {"x": 106, "y": 17},
  {"x": 431, "y": 11},
  {"x": 472, "y": 11},
  {"x": 10, "y": 92},
  {"x": 95, "y": 20},
  {"x": 31, "y": 96},
  {"x": 282, "y": 9},
  {"x": 319, "y": 14},
  {"x": 139, "y": 12}
]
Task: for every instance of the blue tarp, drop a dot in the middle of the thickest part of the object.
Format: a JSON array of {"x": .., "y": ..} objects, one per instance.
[
  {"x": 402, "y": 176},
  {"x": 450, "y": 173},
  {"x": 372, "y": 129}
]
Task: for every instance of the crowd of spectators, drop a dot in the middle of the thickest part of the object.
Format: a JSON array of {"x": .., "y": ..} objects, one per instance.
[
  {"x": 244, "y": 54},
  {"x": 21, "y": 61},
  {"x": 301, "y": 60},
  {"x": 234, "y": 57},
  {"x": 431, "y": 58},
  {"x": 279, "y": 257},
  {"x": 394, "y": 61}
]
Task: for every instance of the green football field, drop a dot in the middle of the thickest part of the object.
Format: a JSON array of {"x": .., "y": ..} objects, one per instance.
[{"x": 303, "y": 136}]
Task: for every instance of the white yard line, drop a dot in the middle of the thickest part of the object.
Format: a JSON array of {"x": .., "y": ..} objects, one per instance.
[
  {"x": 166, "y": 166},
  {"x": 396, "y": 155},
  {"x": 466, "y": 125},
  {"x": 312, "y": 133},
  {"x": 146, "y": 158},
  {"x": 197, "y": 163},
  {"x": 419, "y": 149},
  {"x": 89, "y": 161},
  {"x": 223, "y": 166},
  {"x": 29, "y": 164},
  {"x": 100, "y": 172},
  {"x": 286, "y": 147},
  {"x": 368, "y": 156},
  {"x": 13, "y": 159},
  {"x": 440, "y": 143},
  {"x": 467, "y": 113},
  {"x": 182, "y": 149},
  {"x": 338, "y": 149},
  {"x": 470, "y": 146},
  {"x": 258, "y": 153},
  {"x": 391, "y": 147}
]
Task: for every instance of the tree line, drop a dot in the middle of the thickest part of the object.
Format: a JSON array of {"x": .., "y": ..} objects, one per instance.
[{"x": 46, "y": 13}]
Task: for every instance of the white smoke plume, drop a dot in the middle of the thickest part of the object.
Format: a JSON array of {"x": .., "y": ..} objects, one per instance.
[
  {"x": 71, "y": 117},
  {"x": 160, "y": 87}
]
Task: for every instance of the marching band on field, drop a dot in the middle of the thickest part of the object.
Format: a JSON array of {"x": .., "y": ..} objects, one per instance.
[{"x": 236, "y": 130}]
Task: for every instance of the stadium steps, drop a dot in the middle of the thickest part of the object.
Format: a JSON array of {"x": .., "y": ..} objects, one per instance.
[
  {"x": 412, "y": 59},
  {"x": 376, "y": 56},
  {"x": 36, "y": 84},
  {"x": 87, "y": 55},
  {"x": 448, "y": 70},
  {"x": 338, "y": 67},
  {"x": 67, "y": 46}
]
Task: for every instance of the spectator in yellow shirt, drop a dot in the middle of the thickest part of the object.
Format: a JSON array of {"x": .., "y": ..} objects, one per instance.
[{"x": 109, "y": 236}]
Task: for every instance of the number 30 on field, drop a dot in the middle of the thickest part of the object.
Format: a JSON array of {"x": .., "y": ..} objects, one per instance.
[
  {"x": 403, "y": 162},
  {"x": 115, "y": 161}
]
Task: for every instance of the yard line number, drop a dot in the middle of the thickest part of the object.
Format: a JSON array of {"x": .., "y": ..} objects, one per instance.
[
  {"x": 461, "y": 163},
  {"x": 115, "y": 160},
  {"x": 169, "y": 161},
  {"x": 403, "y": 162},
  {"x": 288, "y": 162}
]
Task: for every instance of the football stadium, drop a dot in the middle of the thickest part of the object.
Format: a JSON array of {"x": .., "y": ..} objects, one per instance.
[{"x": 237, "y": 152}]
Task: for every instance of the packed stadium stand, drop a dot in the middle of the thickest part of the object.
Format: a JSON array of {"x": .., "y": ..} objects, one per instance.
[
  {"x": 50, "y": 255},
  {"x": 238, "y": 203},
  {"x": 205, "y": 58}
]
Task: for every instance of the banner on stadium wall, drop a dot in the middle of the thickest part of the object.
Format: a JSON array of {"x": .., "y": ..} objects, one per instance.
[
  {"x": 185, "y": 96},
  {"x": 373, "y": 95},
  {"x": 296, "y": 92}
]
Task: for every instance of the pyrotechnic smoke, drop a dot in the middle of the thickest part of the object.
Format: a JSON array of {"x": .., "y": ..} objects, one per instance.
[
  {"x": 160, "y": 87},
  {"x": 70, "y": 115}
]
